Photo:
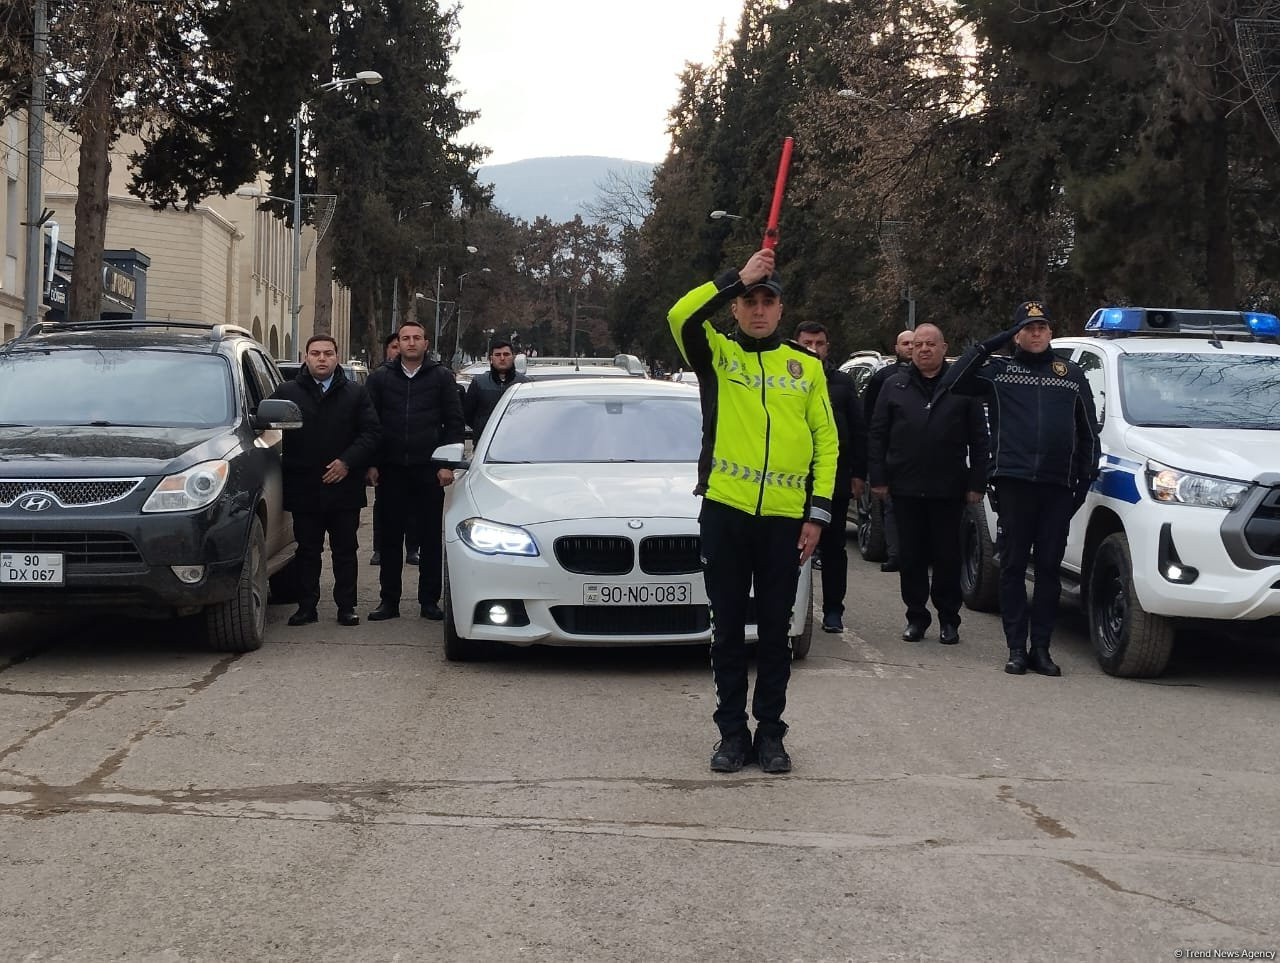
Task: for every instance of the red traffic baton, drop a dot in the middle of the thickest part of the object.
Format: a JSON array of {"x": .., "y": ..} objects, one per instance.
[{"x": 779, "y": 185}]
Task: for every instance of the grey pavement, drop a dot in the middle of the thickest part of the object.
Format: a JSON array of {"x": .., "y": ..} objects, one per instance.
[{"x": 347, "y": 794}]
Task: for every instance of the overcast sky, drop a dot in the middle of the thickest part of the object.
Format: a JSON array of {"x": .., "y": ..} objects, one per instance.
[{"x": 566, "y": 77}]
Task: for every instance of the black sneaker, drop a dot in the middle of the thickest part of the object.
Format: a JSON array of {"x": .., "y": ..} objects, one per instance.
[
  {"x": 831, "y": 622},
  {"x": 771, "y": 754},
  {"x": 732, "y": 752}
]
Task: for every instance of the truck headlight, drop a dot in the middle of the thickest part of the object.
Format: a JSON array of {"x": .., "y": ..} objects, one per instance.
[
  {"x": 1173, "y": 486},
  {"x": 188, "y": 490},
  {"x": 493, "y": 538}
]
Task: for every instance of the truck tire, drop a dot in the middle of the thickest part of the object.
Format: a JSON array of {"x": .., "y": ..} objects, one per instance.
[
  {"x": 1127, "y": 640},
  {"x": 979, "y": 571},
  {"x": 871, "y": 540},
  {"x": 800, "y": 644},
  {"x": 240, "y": 623}
]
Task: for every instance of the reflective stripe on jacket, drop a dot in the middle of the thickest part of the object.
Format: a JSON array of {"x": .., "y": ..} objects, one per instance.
[{"x": 769, "y": 443}]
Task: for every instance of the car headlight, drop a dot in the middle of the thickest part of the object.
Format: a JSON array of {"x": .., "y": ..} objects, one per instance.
[
  {"x": 1176, "y": 487},
  {"x": 492, "y": 538},
  {"x": 188, "y": 490}
]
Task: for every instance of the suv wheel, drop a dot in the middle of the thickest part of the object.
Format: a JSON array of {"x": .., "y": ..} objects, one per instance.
[
  {"x": 871, "y": 541},
  {"x": 979, "y": 571},
  {"x": 800, "y": 644},
  {"x": 1128, "y": 640},
  {"x": 240, "y": 623}
]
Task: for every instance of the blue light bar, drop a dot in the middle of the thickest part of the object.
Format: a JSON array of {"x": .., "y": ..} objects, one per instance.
[
  {"x": 1263, "y": 325},
  {"x": 1116, "y": 319}
]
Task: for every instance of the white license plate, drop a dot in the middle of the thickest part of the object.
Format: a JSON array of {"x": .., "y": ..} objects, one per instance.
[
  {"x": 654, "y": 593},
  {"x": 25, "y": 569}
]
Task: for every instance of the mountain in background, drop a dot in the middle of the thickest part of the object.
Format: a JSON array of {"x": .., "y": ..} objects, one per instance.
[{"x": 555, "y": 187}]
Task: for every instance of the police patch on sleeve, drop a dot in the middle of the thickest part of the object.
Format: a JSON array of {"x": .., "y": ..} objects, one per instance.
[
  {"x": 1060, "y": 369},
  {"x": 795, "y": 368}
]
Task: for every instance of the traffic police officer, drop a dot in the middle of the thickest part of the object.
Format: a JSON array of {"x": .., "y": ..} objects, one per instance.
[
  {"x": 766, "y": 472},
  {"x": 1044, "y": 456}
]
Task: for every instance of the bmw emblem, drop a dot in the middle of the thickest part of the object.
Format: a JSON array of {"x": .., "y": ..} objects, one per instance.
[
  {"x": 635, "y": 523},
  {"x": 36, "y": 502}
]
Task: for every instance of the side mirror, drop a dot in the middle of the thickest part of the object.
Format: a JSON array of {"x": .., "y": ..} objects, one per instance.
[
  {"x": 451, "y": 456},
  {"x": 277, "y": 413}
]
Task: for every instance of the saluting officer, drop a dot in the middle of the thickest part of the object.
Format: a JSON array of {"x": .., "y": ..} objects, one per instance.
[{"x": 1044, "y": 444}]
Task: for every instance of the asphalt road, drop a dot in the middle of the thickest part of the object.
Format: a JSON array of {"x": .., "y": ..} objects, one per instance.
[{"x": 346, "y": 794}]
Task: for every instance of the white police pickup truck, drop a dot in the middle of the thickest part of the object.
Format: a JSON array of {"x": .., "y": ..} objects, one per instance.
[{"x": 1184, "y": 520}]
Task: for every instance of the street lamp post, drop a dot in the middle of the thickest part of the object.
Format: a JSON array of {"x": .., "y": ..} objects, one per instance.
[{"x": 457, "y": 328}]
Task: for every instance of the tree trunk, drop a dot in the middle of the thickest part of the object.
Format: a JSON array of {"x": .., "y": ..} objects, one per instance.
[
  {"x": 97, "y": 133},
  {"x": 1220, "y": 265}
]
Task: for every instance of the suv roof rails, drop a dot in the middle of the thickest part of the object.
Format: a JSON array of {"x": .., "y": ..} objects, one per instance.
[{"x": 217, "y": 330}]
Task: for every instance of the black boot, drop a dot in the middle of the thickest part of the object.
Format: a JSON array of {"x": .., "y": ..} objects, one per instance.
[
  {"x": 1040, "y": 662},
  {"x": 1017, "y": 664}
]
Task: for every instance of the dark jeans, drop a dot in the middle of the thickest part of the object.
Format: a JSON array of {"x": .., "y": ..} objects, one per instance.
[
  {"x": 309, "y": 529},
  {"x": 413, "y": 504},
  {"x": 738, "y": 550},
  {"x": 835, "y": 561},
  {"x": 411, "y": 532},
  {"x": 1034, "y": 518},
  {"x": 929, "y": 536}
]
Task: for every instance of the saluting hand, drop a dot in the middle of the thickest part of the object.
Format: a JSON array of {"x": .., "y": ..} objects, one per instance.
[
  {"x": 758, "y": 267},
  {"x": 334, "y": 472}
]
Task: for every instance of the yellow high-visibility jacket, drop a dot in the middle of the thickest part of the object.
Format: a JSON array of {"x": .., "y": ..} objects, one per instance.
[{"x": 769, "y": 443}]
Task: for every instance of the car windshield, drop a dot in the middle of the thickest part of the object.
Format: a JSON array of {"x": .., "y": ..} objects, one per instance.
[
  {"x": 598, "y": 429},
  {"x": 104, "y": 388},
  {"x": 1160, "y": 390}
]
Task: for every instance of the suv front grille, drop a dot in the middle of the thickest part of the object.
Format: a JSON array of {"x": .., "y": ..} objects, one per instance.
[
  {"x": 68, "y": 492},
  {"x": 77, "y": 548},
  {"x": 595, "y": 554},
  {"x": 636, "y": 620},
  {"x": 670, "y": 554},
  {"x": 1262, "y": 531}
]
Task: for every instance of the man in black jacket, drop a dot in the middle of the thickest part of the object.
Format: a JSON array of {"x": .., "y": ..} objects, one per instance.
[
  {"x": 323, "y": 466},
  {"x": 391, "y": 351},
  {"x": 902, "y": 358},
  {"x": 417, "y": 402},
  {"x": 1044, "y": 432},
  {"x": 486, "y": 389},
  {"x": 928, "y": 452},
  {"x": 851, "y": 474}
]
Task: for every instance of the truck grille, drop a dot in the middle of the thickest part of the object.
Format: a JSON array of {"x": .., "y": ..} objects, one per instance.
[
  {"x": 670, "y": 554},
  {"x": 77, "y": 548},
  {"x": 635, "y": 620},
  {"x": 68, "y": 492},
  {"x": 1262, "y": 531},
  {"x": 595, "y": 554}
]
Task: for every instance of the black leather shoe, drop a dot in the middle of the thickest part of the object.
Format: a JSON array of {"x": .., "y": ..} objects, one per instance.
[
  {"x": 831, "y": 622},
  {"x": 384, "y": 612},
  {"x": 432, "y": 611},
  {"x": 889, "y": 566},
  {"x": 949, "y": 634},
  {"x": 771, "y": 754},
  {"x": 348, "y": 617},
  {"x": 1017, "y": 664},
  {"x": 732, "y": 752},
  {"x": 1040, "y": 662},
  {"x": 411, "y": 558},
  {"x": 303, "y": 617},
  {"x": 914, "y": 631},
  {"x": 375, "y": 558}
]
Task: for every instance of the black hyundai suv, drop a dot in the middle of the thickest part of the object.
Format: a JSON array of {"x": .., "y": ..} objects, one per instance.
[{"x": 140, "y": 473}]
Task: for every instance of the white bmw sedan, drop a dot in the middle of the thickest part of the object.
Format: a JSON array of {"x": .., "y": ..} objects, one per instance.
[{"x": 575, "y": 523}]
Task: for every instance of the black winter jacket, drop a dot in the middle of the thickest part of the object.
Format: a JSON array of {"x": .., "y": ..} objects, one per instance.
[
  {"x": 1044, "y": 427},
  {"x": 338, "y": 423},
  {"x": 418, "y": 414},
  {"x": 851, "y": 429},
  {"x": 871, "y": 393},
  {"x": 483, "y": 395},
  {"x": 927, "y": 445}
]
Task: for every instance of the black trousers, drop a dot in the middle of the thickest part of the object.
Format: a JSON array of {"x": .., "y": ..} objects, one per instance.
[
  {"x": 739, "y": 550},
  {"x": 411, "y": 532},
  {"x": 1034, "y": 519},
  {"x": 413, "y": 503},
  {"x": 309, "y": 529},
  {"x": 835, "y": 560},
  {"x": 890, "y": 532},
  {"x": 929, "y": 537}
]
